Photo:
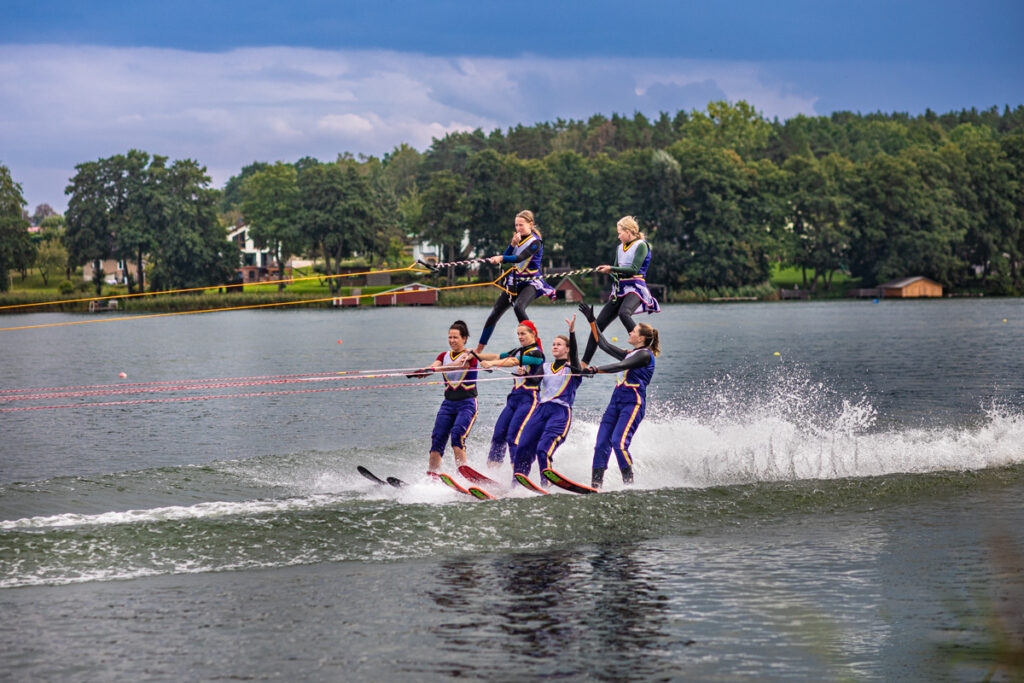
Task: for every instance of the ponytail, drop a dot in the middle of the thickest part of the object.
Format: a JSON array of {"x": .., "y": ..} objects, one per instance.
[{"x": 650, "y": 336}]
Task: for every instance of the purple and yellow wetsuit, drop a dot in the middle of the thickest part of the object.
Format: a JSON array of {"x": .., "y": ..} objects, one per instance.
[
  {"x": 524, "y": 283},
  {"x": 548, "y": 422},
  {"x": 457, "y": 413},
  {"x": 519, "y": 401},
  {"x": 625, "y": 410}
]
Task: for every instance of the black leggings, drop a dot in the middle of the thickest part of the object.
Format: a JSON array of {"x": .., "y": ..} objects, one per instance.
[
  {"x": 526, "y": 295},
  {"x": 623, "y": 308}
]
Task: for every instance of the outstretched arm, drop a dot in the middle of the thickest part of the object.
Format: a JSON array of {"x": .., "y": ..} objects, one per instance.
[{"x": 637, "y": 360}]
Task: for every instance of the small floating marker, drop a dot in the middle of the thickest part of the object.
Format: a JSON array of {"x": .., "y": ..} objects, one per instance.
[
  {"x": 339, "y": 341},
  {"x": 1004, "y": 320},
  {"x": 122, "y": 375},
  {"x": 615, "y": 339},
  {"x": 776, "y": 354}
]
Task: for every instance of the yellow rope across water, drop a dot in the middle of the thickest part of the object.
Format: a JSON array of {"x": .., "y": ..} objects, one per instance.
[{"x": 412, "y": 268}]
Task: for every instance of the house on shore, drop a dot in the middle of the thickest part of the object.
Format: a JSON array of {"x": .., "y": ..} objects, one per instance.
[
  {"x": 910, "y": 288},
  {"x": 905, "y": 288}
]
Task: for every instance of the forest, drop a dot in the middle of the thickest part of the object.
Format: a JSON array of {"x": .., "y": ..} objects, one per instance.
[{"x": 723, "y": 195}]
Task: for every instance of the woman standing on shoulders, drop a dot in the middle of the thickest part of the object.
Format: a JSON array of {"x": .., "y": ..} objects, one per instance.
[
  {"x": 631, "y": 293},
  {"x": 529, "y": 360},
  {"x": 525, "y": 283},
  {"x": 629, "y": 399},
  {"x": 457, "y": 413},
  {"x": 547, "y": 423}
]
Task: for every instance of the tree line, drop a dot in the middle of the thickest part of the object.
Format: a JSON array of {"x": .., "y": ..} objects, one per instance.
[{"x": 723, "y": 195}]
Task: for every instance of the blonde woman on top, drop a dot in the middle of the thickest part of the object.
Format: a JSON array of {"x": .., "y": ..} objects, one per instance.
[{"x": 630, "y": 295}]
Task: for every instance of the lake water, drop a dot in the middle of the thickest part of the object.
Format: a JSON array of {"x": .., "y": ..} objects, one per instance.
[{"x": 823, "y": 491}]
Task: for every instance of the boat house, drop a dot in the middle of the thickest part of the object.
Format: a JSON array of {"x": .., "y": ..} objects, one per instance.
[{"x": 910, "y": 288}]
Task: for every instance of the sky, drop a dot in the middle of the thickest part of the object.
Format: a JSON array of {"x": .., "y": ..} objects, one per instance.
[{"x": 229, "y": 83}]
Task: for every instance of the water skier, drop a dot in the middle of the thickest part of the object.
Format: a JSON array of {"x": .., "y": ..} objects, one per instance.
[
  {"x": 630, "y": 293},
  {"x": 629, "y": 399},
  {"x": 457, "y": 413},
  {"x": 547, "y": 423},
  {"x": 528, "y": 358},
  {"x": 525, "y": 283}
]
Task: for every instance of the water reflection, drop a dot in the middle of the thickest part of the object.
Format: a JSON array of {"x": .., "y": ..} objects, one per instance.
[{"x": 596, "y": 612}]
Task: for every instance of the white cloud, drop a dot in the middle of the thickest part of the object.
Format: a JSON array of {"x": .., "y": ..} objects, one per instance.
[{"x": 62, "y": 105}]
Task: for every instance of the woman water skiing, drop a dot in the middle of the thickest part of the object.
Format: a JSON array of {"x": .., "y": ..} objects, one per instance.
[
  {"x": 457, "y": 413},
  {"x": 629, "y": 399},
  {"x": 630, "y": 293},
  {"x": 525, "y": 283},
  {"x": 529, "y": 359},
  {"x": 547, "y": 423}
]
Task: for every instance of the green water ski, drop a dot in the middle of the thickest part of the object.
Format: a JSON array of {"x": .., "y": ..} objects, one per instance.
[
  {"x": 567, "y": 484},
  {"x": 453, "y": 484},
  {"x": 480, "y": 493},
  {"x": 526, "y": 483}
]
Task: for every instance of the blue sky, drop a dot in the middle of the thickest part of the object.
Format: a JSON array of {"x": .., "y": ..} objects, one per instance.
[{"x": 228, "y": 83}]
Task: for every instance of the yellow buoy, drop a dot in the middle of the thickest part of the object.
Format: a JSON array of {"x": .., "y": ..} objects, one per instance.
[
  {"x": 615, "y": 339},
  {"x": 776, "y": 354}
]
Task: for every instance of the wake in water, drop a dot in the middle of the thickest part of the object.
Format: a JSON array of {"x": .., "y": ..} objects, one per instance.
[
  {"x": 794, "y": 428},
  {"x": 759, "y": 438}
]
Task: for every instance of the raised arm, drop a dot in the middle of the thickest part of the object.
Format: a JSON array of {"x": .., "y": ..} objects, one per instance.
[
  {"x": 574, "y": 354},
  {"x": 588, "y": 312}
]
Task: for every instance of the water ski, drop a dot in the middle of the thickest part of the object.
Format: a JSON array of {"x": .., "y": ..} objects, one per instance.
[
  {"x": 396, "y": 482},
  {"x": 475, "y": 477},
  {"x": 480, "y": 493},
  {"x": 448, "y": 481},
  {"x": 371, "y": 476},
  {"x": 567, "y": 484},
  {"x": 525, "y": 482}
]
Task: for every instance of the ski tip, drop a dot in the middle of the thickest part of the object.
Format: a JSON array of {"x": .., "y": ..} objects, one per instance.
[
  {"x": 447, "y": 479},
  {"x": 567, "y": 484},
  {"x": 525, "y": 482},
  {"x": 396, "y": 482},
  {"x": 480, "y": 493}
]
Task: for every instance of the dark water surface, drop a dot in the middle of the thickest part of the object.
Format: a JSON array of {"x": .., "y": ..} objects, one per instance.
[{"x": 851, "y": 508}]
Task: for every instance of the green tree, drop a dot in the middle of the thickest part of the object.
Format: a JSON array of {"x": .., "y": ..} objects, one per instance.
[
  {"x": 51, "y": 258},
  {"x": 16, "y": 248},
  {"x": 583, "y": 233},
  {"x": 114, "y": 209},
  {"x": 818, "y": 208},
  {"x": 722, "y": 125},
  {"x": 193, "y": 248},
  {"x": 231, "y": 197},
  {"x": 440, "y": 218},
  {"x": 271, "y": 204},
  {"x": 726, "y": 244},
  {"x": 904, "y": 219},
  {"x": 493, "y": 196},
  {"x": 339, "y": 213}
]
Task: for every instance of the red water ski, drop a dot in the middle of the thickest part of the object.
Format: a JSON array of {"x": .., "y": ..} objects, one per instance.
[
  {"x": 475, "y": 477},
  {"x": 525, "y": 481},
  {"x": 567, "y": 484}
]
